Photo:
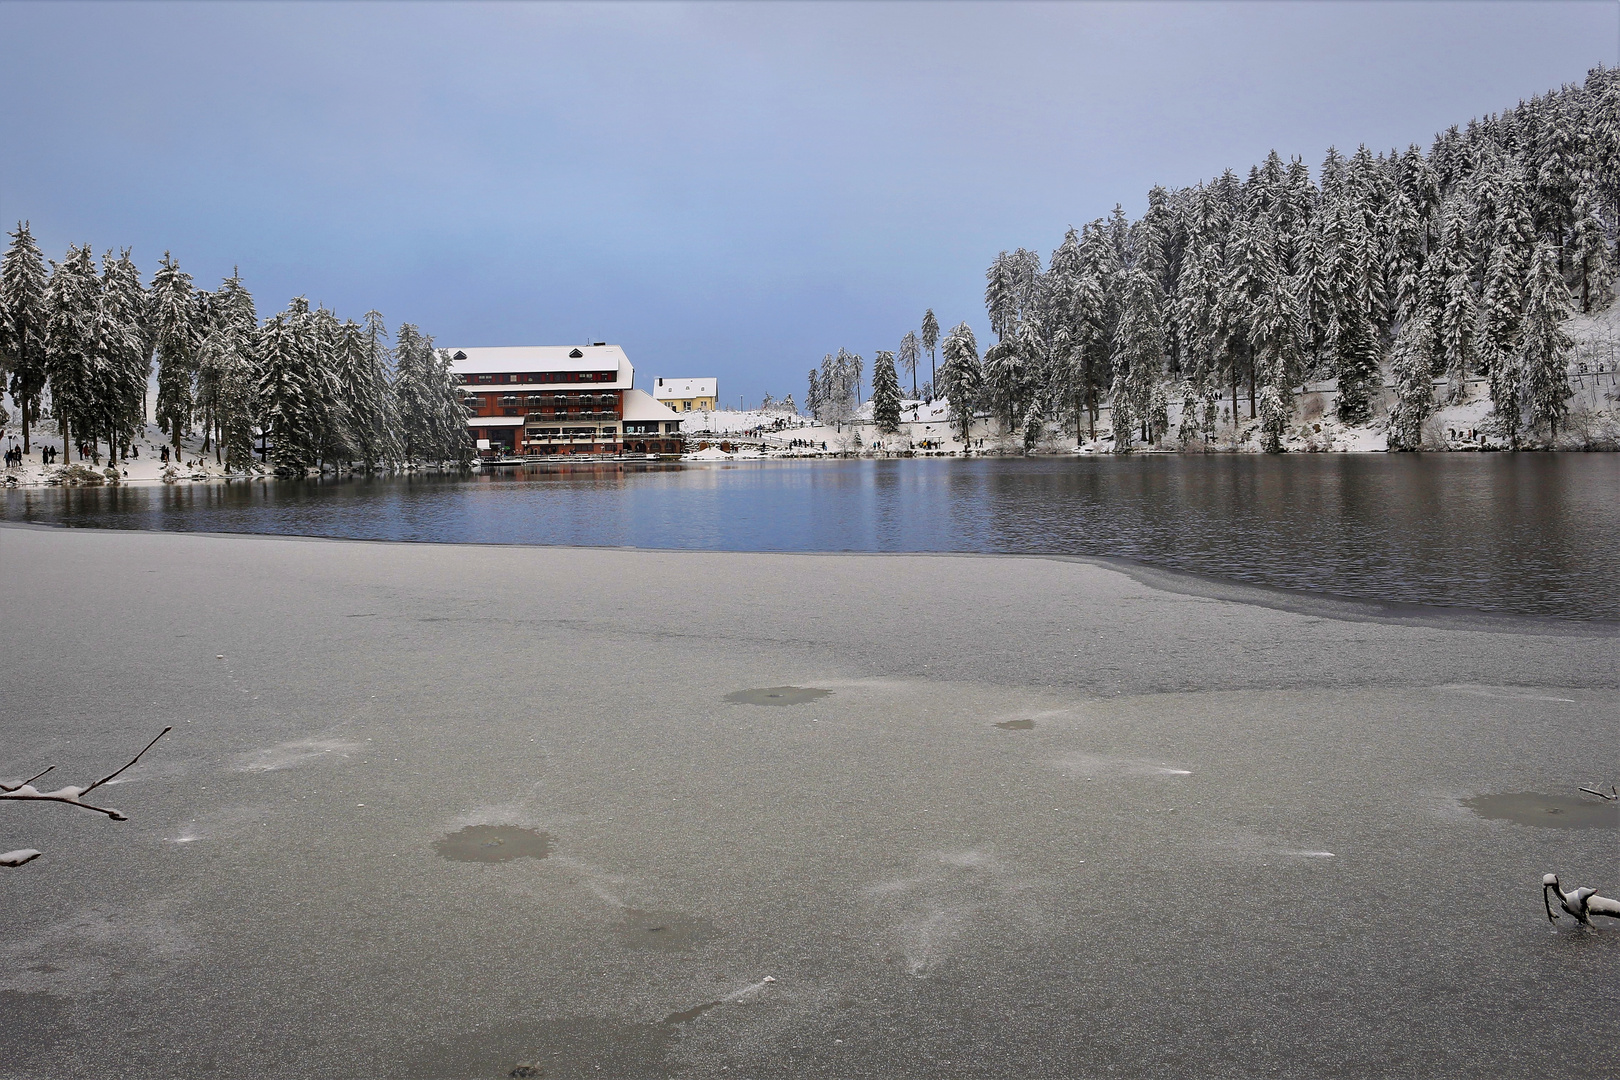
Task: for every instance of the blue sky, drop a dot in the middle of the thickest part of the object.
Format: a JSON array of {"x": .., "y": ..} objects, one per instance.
[{"x": 726, "y": 190}]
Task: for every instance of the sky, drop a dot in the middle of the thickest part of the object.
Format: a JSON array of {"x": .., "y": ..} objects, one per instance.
[{"x": 726, "y": 190}]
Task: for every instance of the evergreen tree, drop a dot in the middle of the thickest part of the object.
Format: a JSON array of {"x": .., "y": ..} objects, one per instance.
[
  {"x": 1000, "y": 296},
  {"x": 123, "y": 362},
  {"x": 908, "y": 357},
  {"x": 885, "y": 394},
  {"x": 961, "y": 378},
  {"x": 930, "y": 338},
  {"x": 172, "y": 311},
  {"x": 1412, "y": 366},
  {"x": 1138, "y": 361},
  {"x": 414, "y": 395},
  {"x": 371, "y": 399},
  {"x": 1004, "y": 372},
  {"x": 23, "y": 318},
  {"x": 1451, "y": 273},
  {"x": 72, "y": 300},
  {"x": 287, "y": 389},
  {"x": 1546, "y": 345},
  {"x": 226, "y": 366},
  {"x": 1593, "y": 263}
]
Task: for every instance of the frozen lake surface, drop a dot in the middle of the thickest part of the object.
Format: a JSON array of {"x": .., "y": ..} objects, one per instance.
[
  {"x": 1523, "y": 533},
  {"x": 482, "y": 812}
]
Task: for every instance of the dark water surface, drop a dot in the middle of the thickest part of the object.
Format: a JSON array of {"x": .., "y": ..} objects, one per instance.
[{"x": 1525, "y": 533}]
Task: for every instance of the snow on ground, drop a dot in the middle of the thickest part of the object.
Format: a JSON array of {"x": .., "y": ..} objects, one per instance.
[{"x": 193, "y": 463}]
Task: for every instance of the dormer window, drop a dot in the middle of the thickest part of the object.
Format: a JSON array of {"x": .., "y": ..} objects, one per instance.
[{"x": 575, "y": 354}]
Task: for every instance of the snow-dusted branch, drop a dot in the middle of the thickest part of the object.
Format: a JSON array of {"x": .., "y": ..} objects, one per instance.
[{"x": 24, "y": 791}]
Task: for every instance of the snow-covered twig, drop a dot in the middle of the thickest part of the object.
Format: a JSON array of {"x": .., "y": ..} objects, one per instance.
[
  {"x": 24, "y": 791},
  {"x": 1611, "y": 795}
]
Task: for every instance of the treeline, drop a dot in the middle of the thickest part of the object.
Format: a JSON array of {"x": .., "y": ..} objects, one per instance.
[
  {"x": 1457, "y": 264},
  {"x": 79, "y": 345}
]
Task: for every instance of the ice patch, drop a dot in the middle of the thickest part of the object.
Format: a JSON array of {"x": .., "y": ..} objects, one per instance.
[
  {"x": 287, "y": 754},
  {"x": 1512, "y": 693},
  {"x": 952, "y": 892},
  {"x": 1090, "y": 765}
]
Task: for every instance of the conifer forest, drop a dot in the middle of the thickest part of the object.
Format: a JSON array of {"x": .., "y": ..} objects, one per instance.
[
  {"x": 1418, "y": 270},
  {"x": 80, "y": 345}
]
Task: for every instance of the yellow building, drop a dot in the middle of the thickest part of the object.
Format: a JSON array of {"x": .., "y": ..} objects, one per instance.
[{"x": 687, "y": 395}]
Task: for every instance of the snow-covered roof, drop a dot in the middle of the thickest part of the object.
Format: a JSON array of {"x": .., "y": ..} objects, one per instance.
[
  {"x": 639, "y": 405},
  {"x": 495, "y": 421},
  {"x": 665, "y": 389},
  {"x": 503, "y": 359}
]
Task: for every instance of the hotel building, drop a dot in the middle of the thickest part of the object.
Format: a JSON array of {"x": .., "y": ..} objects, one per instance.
[{"x": 560, "y": 400}]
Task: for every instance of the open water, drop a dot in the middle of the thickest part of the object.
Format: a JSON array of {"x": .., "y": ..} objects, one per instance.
[{"x": 1521, "y": 533}]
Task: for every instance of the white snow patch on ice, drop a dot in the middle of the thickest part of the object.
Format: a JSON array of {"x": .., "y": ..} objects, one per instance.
[
  {"x": 1090, "y": 765},
  {"x": 286, "y": 755},
  {"x": 1514, "y": 693}
]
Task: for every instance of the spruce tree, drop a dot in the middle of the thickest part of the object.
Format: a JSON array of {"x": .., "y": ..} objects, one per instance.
[
  {"x": 285, "y": 391},
  {"x": 172, "y": 311},
  {"x": 1412, "y": 367},
  {"x": 23, "y": 318},
  {"x": 885, "y": 394},
  {"x": 1001, "y": 296},
  {"x": 121, "y": 348},
  {"x": 962, "y": 377},
  {"x": 1592, "y": 261},
  {"x": 1138, "y": 360},
  {"x": 72, "y": 300},
  {"x": 1546, "y": 345},
  {"x": 225, "y": 365},
  {"x": 1453, "y": 301}
]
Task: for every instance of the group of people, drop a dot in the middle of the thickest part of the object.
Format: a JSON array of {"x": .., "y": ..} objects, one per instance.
[{"x": 14, "y": 456}]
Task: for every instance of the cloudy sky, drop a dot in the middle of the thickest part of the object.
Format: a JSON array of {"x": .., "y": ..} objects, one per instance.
[{"x": 726, "y": 190}]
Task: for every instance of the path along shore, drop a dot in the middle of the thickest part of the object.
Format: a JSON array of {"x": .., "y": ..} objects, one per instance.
[{"x": 1055, "y": 818}]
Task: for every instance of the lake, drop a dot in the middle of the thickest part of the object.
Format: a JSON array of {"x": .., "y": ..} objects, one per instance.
[{"x": 1535, "y": 534}]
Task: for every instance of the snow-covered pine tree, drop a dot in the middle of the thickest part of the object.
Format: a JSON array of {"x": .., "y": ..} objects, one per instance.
[
  {"x": 908, "y": 356},
  {"x": 930, "y": 338},
  {"x": 1503, "y": 301},
  {"x": 23, "y": 317},
  {"x": 124, "y": 365},
  {"x": 414, "y": 394},
  {"x": 1138, "y": 360},
  {"x": 72, "y": 298},
  {"x": 1453, "y": 305},
  {"x": 455, "y": 441},
  {"x": 885, "y": 393},
  {"x": 1546, "y": 345},
  {"x": 225, "y": 364},
  {"x": 172, "y": 310},
  {"x": 812, "y": 397},
  {"x": 1004, "y": 372},
  {"x": 336, "y": 361},
  {"x": 286, "y": 390},
  {"x": 1592, "y": 261},
  {"x": 375, "y": 422},
  {"x": 1275, "y": 343},
  {"x": 1412, "y": 367},
  {"x": 1000, "y": 296},
  {"x": 961, "y": 378}
]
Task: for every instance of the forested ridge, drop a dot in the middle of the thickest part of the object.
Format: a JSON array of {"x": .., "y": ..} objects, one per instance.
[
  {"x": 79, "y": 345},
  {"x": 1454, "y": 264}
]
